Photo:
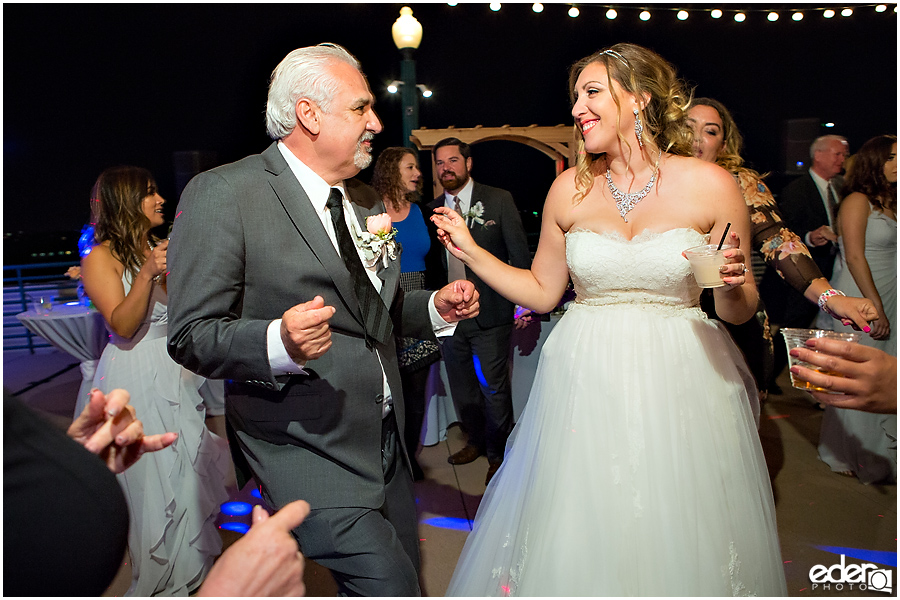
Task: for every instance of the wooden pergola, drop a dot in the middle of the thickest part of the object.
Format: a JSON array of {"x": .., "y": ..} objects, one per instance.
[{"x": 557, "y": 142}]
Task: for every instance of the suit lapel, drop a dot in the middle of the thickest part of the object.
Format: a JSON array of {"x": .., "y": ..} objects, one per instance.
[
  {"x": 389, "y": 275},
  {"x": 304, "y": 218}
]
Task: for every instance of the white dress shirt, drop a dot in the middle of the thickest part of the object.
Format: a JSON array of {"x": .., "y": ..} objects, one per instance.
[
  {"x": 318, "y": 190},
  {"x": 823, "y": 186}
]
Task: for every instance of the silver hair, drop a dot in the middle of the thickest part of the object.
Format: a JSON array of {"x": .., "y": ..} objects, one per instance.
[
  {"x": 304, "y": 73},
  {"x": 820, "y": 142}
]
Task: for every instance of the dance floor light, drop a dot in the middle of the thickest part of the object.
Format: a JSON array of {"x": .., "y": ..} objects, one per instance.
[
  {"x": 449, "y": 523},
  {"x": 255, "y": 493},
  {"x": 236, "y": 509},
  {"x": 238, "y": 527},
  {"x": 876, "y": 556}
]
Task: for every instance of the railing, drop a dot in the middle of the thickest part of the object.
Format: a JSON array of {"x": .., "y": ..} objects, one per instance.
[{"x": 20, "y": 284}]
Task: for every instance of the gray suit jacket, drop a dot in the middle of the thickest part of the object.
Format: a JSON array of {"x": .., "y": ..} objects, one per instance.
[
  {"x": 501, "y": 234},
  {"x": 246, "y": 246}
]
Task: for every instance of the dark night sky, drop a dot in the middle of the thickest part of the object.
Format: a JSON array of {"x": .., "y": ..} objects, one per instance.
[{"x": 90, "y": 86}]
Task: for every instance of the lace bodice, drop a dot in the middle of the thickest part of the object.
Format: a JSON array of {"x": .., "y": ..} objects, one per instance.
[{"x": 606, "y": 268}]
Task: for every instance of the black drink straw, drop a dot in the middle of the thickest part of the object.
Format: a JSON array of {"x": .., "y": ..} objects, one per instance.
[{"x": 722, "y": 241}]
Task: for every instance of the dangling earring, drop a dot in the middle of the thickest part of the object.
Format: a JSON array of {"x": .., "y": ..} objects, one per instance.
[{"x": 638, "y": 128}]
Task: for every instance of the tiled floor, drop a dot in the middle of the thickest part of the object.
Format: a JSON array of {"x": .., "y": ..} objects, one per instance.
[{"x": 815, "y": 507}]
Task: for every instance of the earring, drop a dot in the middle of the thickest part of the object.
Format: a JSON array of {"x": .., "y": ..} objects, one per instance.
[{"x": 638, "y": 128}]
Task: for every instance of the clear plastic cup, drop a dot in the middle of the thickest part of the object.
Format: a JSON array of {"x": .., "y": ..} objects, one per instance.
[
  {"x": 42, "y": 303},
  {"x": 705, "y": 262},
  {"x": 796, "y": 338}
]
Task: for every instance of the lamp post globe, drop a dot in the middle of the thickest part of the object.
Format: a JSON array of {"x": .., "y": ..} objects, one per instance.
[{"x": 407, "y": 34}]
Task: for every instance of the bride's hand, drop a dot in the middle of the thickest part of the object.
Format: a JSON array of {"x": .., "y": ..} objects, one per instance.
[
  {"x": 453, "y": 232},
  {"x": 734, "y": 272}
]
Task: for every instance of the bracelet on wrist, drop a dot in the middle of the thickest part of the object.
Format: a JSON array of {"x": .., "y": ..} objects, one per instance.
[{"x": 823, "y": 300}]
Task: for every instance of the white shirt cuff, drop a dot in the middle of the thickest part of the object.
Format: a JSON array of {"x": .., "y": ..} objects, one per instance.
[
  {"x": 441, "y": 327},
  {"x": 280, "y": 362}
]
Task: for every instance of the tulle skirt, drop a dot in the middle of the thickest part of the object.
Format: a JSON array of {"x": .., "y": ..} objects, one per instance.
[
  {"x": 174, "y": 494},
  {"x": 635, "y": 469}
]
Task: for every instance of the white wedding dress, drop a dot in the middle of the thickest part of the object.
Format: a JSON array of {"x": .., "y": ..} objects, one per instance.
[{"x": 636, "y": 468}]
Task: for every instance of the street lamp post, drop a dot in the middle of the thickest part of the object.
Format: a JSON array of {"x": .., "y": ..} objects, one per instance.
[{"x": 407, "y": 34}]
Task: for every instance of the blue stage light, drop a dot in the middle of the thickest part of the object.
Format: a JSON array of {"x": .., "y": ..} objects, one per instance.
[
  {"x": 238, "y": 527},
  {"x": 236, "y": 509},
  {"x": 875, "y": 556},
  {"x": 449, "y": 523}
]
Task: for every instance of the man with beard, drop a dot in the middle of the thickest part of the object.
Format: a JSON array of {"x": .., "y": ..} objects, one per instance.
[
  {"x": 477, "y": 355},
  {"x": 269, "y": 290}
]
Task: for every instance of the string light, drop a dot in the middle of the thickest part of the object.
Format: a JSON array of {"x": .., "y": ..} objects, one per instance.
[{"x": 739, "y": 16}]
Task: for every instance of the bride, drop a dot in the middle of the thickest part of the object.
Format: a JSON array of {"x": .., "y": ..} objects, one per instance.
[{"x": 635, "y": 469}]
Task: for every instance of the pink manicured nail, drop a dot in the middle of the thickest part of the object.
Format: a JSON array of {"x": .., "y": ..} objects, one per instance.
[
  {"x": 795, "y": 352},
  {"x": 867, "y": 329}
]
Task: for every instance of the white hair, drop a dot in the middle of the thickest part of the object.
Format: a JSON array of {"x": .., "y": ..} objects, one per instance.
[
  {"x": 820, "y": 142},
  {"x": 304, "y": 73}
]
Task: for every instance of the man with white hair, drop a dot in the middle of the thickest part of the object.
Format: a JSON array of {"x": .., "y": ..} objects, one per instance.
[{"x": 277, "y": 285}]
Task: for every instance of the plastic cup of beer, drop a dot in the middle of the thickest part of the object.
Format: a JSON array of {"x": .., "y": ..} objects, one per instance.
[
  {"x": 796, "y": 338},
  {"x": 705, "y": 262}
]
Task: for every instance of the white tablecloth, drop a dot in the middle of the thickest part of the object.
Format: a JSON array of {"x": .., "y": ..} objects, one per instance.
[
  {"x": 74, "y": 329},
  {"x": 525, "y": 350}
]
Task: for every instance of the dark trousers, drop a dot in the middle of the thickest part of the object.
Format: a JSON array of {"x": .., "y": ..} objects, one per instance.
[
  {"x": 414, "y": 384},
  {"x": 371, "y": 552},
  {"x": 483, "y": 395}
]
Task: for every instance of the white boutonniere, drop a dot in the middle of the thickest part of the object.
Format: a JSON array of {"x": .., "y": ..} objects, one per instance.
[
  {"x": 474, "y": 215},
  {"x": 377, "y": 242}
]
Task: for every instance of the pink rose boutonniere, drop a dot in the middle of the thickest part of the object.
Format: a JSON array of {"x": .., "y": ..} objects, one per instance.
[{"x": 377, "y": 242}]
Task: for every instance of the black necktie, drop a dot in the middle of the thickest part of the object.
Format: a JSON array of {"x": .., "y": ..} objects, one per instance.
[{"x": 375, "y": 313}]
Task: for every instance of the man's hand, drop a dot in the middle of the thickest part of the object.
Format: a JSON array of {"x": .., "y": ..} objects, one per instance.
[
  {"x": 822, "y": 235},
  {"x": 305, "y": 332},
  {"x": 265, "y": 562},
  {"x": 109, "y": 428},
  {"x": 865, "y": 377},
  {"x": 457, "y": 301}
]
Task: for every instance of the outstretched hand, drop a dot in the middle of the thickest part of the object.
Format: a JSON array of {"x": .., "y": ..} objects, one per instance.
[
  {"x": 266, "y": 561},
  {"x": 109, "y": 428},
  {"x": 854, "y": 312},
  {"x": 453, "y": 232},
  {"x": 864, "y": 377},
  {"x": 457, "y": 301}
]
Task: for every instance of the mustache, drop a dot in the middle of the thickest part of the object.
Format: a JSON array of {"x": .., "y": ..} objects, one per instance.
[{"x": 368, "y": 136}]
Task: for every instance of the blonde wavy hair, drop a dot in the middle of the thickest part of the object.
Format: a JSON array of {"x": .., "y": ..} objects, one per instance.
[{"x": 644, "y": 74}]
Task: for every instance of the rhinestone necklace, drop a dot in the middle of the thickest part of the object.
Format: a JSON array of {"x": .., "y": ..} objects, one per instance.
[{"x": 626, "y": 202}]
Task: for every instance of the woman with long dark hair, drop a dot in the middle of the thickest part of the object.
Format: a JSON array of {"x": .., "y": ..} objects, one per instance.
[
  {"x": 174, "y": 494},
  {"x": 852, "y": 442},
  {"x": 398, "y": 181}
]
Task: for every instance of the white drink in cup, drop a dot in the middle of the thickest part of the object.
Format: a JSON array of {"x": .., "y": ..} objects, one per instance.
[{"x": 705, "y": 262}]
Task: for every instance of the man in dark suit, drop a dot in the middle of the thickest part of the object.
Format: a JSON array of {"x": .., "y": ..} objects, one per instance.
[
  {"x": 477, "y": 356},
  {"x": 276, "y": 286},
  {"x": 809, "y": 207}
]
